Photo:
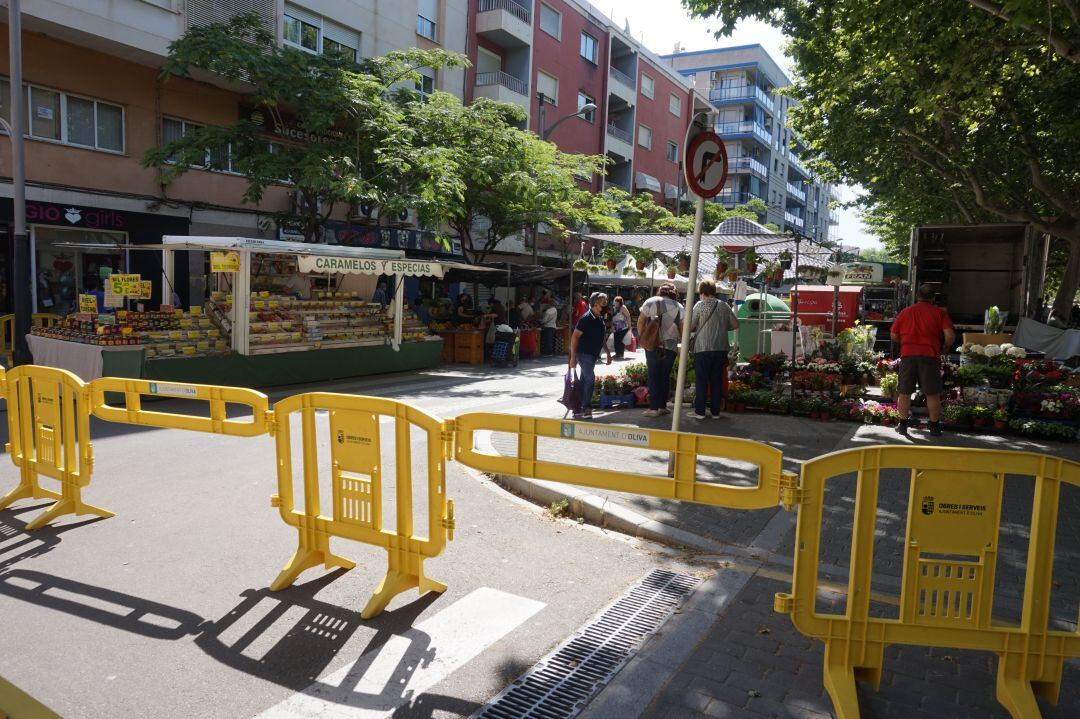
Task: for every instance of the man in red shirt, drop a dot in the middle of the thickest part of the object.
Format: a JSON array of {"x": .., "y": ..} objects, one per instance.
[
  {"x": 578, "y": 309},
  {"x": 919, "y": 330}
]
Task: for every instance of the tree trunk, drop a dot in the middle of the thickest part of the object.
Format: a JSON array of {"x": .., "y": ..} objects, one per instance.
[{"x": 1070, "y": 282}]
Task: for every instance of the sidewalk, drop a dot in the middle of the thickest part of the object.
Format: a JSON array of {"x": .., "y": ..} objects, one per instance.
[{"x": 727, "y": 654}]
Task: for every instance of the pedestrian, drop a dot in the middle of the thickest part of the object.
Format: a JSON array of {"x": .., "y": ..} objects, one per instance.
[
  {"x": 590, "y": 335},
  {"x": 665, "y": 309},
  {"x": 549, "y": 319},
  {"x": 525, "y": 310},
  {"x": 578, "y": 309},
  {"x": 380, "y": 296},
  {"x": 711, "y": 319},
  {"x": 620, "y": 325},
  {"x": 920, "y": 329},
  {"x": 463, "y": 310}
]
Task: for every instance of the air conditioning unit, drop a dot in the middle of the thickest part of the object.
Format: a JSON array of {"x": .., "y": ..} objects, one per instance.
[
  {"x": 363, "y": 212},
  {"x": 404, "y": 218}
]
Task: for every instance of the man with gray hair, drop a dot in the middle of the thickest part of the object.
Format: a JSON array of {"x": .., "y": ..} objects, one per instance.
[
  {"x": 920, "y": 330},
  {"x": 589, "y": 336}
]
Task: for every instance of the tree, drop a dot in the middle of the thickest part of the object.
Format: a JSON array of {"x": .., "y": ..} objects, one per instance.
[
  {"x": 943, "y": 113},
  {"x": 1057, "y": 23},
  {"x": 355, "y": 139},
  {"x": 878, "y": 253}
]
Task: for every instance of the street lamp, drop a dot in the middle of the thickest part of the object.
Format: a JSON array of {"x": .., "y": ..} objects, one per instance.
[
  {"x": 20, "y": 271},
  {"x": 545, "y": 132}
]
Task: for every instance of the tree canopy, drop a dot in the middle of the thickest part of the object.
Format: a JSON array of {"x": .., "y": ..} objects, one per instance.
[{"x": 944, "y": 110}]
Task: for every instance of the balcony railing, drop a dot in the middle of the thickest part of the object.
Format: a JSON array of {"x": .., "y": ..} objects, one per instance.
[
  {"x": 620, "y": 134},
  {"x": 622, "y": 77},
  {"x": 484, "y": 79},
  {"x": 736, "y": 197},
  {"x": 797, "y": 163},
  {"x": 747, "y": 164},
  {"x": 793, "y": 219},
  {"x": 741, "y": 92},
  {"x": 796, "y": 192},
  {"x": 746, "y": 127},
  {"x": 516, "y": 9},
  {"x": 625, "y": 187}
]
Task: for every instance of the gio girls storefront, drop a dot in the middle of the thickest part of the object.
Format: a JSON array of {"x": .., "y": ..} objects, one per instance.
[{"x": 72, "y": 247}]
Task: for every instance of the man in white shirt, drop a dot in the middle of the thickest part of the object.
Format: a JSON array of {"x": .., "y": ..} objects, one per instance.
[
  {"x": 525, "y": 310},
  {"x": 547, "y": 330},
  {"x": 660, "y": 360}
]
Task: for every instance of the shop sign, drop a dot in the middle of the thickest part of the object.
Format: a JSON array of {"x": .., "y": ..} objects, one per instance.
[
  {"x": 608, "y": 434},
  {"x": 361, "y": 266},
  {"x": 224, "y": 261},
  {"x": 88, "y": 304},
  {"x": 286, "y": 127},
  {"x": 862, "y": 273},
  {"x": 44, "y": 213}
]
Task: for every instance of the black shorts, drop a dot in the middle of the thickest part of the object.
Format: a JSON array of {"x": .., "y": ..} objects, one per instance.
[{"x": 924, "y": 370}]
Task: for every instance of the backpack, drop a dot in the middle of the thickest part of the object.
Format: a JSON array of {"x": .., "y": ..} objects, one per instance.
[{"x": 649, "y": 338}]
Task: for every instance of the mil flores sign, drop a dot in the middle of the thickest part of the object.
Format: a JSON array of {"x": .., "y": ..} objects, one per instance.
[{"x": 360, "y": 266}]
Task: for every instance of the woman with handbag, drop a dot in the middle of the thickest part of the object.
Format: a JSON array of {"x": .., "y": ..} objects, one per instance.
[
  {"x": 659, "y": 330},
  {"x": 620, "y": 325},
  {"x": 711, "y": 320}
]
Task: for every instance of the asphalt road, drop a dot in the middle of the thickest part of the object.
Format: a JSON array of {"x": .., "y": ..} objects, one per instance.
[{"x": 164, "y": 609}]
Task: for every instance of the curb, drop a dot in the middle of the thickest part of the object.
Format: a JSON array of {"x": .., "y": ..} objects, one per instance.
[{"x": 599, "y": 511}]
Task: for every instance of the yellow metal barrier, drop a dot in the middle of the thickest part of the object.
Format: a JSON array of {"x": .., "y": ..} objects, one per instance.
[
  {"x": 17, "y": 704},
  {"x": 218, "y": 422},
  {"x": 356, "y": 474},
  {"x": 946, "y": 596},
  {"x": 7, "y": 339},
  {"x": 49, "y": 433},
  {"x": 773, "y": 486}
]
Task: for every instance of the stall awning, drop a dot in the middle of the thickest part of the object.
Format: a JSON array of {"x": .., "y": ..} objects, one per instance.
[
  {"x": 217, "y": 244},
  {"x": 646, "y": 182}
]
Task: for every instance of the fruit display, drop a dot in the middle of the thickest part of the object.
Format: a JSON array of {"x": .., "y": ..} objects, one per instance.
[{"x": 166, "y": 333}]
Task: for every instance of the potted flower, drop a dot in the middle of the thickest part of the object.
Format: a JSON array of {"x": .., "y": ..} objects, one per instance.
[
  {"x": 982, "y": 416},
  {"x": 889, "y": 385},
  {"x": 774, "y": 272},
  {"x": 956, "y": 415},
  {"x": 682, "y": 259},
  {"x": 994, "y": 320},
  {"x": 628, "y": 270},
  {"x": 581, "y": 265},
  {"x": 640, "y": 274},
  {"x": 672, "y": 270},
  {"x": 732, "y": 274},
  {"x": 784, "y": 259},
  {"x": 1001, "y": 419},
  {"x": 750, "y": 258},
  {"x": 611, "y": 255},
  {"x": 595, "y": 269},
  {"x": 1051, "y": 407},
  {"x": 723, "y": 261},
  {"x": 642, "y": 256}
]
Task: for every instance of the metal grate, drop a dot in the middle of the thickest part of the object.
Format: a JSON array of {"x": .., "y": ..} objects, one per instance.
[{"x": 562, "y": 683}]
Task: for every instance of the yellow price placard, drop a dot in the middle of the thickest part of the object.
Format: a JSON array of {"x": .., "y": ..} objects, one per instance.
[
  {"x": 186, "y": 324},
  {"x": 224, "y": 261},
  {"x": 127, "y": 285},
  {"x": 88, "y": 304}
]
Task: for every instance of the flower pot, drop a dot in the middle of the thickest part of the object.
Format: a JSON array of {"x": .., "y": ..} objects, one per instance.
[
  {"x": 721, "y": 268},
  {"x": 1000, "y": 426},
  {"x": 751, "y": 267},
  {"x": 733, "y": 275},
  {"x": 671, "y": 274},
  {"x": 815, "y": 415},
  {"x": 982, "y": 423},
  {"x": 785, "y": 264},
  {"x": 684, "y": 266},
  {"x": 640, "y": 265},
  {"x": 611, "y": 264}
]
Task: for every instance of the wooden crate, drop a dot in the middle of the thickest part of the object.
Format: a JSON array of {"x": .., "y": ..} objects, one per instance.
[
  {"x": 448, "y": 346},
  {"x": 469, "y": 347}
]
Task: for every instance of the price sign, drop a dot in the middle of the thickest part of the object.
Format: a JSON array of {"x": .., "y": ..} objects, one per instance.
[
  {"x": 88, "y": 304},
  {"x": 146, "y": 288},
  {"x": 224, "y": 261},
  {"x": 127, "y": 285}
]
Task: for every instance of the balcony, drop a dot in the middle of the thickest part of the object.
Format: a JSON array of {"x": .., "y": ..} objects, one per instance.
[
  {"x": 797, "y": 164},
  {"x": 793, "y": 220},
  {"x": 834, "y": 217},
  {"x": 742, "y": 93},
  {"x": 624, "y": 186},
  {"x": 624, "y": 87},
  {"x": 502, "y": 87},
  {"x": 796, "y": 192},
  {"x": 736, "y": 197},
  {"x": 747, "y": 164},
  {"x": 506, "y": 23},
  {"x": 746, "y": 127},
  {"x": 620, "y": 142}
]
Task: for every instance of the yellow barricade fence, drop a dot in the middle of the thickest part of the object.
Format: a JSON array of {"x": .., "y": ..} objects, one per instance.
[
  {"x": 49, "y": 434},
  {"x": 947, "y": 589},
  {"x": 17, "y": 704},
  {"x": 356, "y": 475},
  {"x": 7, "y": 338},
  {"x": 773, "y": 487},
  {"x": 217, "y": 398}
]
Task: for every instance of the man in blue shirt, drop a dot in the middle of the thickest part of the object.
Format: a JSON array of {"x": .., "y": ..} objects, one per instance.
[{"x": 585, "y": 344}]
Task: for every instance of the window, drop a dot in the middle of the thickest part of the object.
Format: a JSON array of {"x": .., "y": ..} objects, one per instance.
[
  {"x": 644, "y": 136},
  {"x": 173, "y": 130},
  {"x": 648, "y": 85},
  {"x": 589, "y": 47},
  {"x": 582, "y": 101},
  {"x": 548, "y": 86},
  {"x": 674, "y": 105},
  {"x": 426, "y": 85},
  {"x": 551, "y": 21},
  {"x": 72, "y": 120},
  {"x": 427, "y": 18},
  {"x": 672, "y": 151},
  {"x": 307, "y": 31}
]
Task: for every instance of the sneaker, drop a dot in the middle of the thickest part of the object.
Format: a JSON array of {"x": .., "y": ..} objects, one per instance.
[
  {"x": 651, "y": 413},
  {"x": 587, "y": 414},
  {"x": 700, "y": 416},
  {"x": 902, "y": 429},
  {"x": 579, "y": 415},
  {"x": 935, "y": 429},
  {"x": 717, "y": 415}
]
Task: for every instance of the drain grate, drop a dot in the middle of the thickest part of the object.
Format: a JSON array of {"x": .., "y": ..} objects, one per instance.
[{"x": 562, "y": 683}]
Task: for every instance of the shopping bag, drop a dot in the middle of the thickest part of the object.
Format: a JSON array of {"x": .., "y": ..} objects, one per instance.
[{"x": 571, "y": 397}]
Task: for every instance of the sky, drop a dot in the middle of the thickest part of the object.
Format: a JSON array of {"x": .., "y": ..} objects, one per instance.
[{"x": 659, "y": 24}]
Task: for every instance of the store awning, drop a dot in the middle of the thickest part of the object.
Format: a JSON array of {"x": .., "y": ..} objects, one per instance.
[
  {"x": 646, "y": 182},
  {"x": 672, "y": 192},
  {"x": 218, "y": 244}
]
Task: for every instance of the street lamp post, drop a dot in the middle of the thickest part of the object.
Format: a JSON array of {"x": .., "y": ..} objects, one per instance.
[
  {"x": 21, "y": 244},
  {"x": 544, "y": 132}
]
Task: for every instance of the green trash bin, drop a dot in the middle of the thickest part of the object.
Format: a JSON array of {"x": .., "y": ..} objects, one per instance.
[{"x": 756, "y": 315}]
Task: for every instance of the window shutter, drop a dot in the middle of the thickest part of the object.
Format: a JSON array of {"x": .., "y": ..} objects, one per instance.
[{"x": 339, "y": 33}]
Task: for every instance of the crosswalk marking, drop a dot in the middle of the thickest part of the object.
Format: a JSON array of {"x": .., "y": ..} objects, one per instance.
[{"x": 409, "y": 664}]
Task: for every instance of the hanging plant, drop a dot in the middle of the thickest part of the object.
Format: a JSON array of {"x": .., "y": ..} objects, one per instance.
[
  {"x": 642, "y": 256},
  {"x": 611, "y": 254},
  {"x": 581, "y": 264},
  {"x": 595, "y": 269},
  {"x": 785, "y": 258},
  {"x": 672, "y": 270},
  {"x": 628, "y": 270},
  {"x": 750, "y": 257},
  {"x": 682, "y": 258},
  {"x": 723, "y": 261},
  {"x": 774, "y": 272}
]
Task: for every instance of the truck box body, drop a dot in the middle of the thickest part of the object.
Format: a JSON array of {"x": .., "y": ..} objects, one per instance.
[{"x": 976, "y": 266}]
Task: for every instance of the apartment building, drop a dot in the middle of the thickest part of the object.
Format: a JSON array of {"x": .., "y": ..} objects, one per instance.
[
  {"x": 764, "y": 153},
  {"x": 553, "y": 57},
  {"x": 95, "y": 104}
]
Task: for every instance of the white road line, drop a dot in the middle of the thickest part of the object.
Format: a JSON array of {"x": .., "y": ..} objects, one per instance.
[{"x": 407, "y": 665}]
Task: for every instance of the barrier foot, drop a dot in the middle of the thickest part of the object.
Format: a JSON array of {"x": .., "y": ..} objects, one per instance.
[
  {"x": 393, "y": 584},
  {"x": 840, "y": 683},
  {"x": 305, "y": 559},
  {"x": 66, "y": 506},
  {"x": 26, "y": 490},
  {"x": 1016, "y": 695}
]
